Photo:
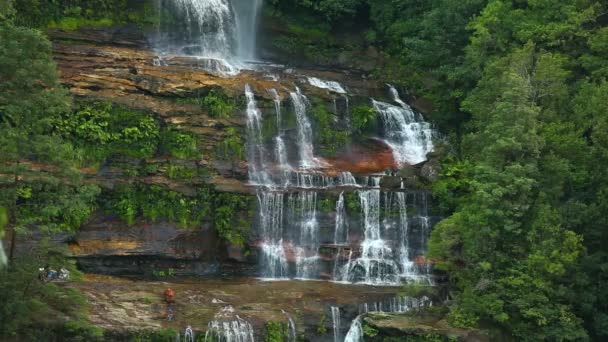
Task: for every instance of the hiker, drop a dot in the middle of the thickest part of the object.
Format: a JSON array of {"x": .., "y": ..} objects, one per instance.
[
  {"x": 169, "y": 296},
  {"x": 64, "y": 274}
]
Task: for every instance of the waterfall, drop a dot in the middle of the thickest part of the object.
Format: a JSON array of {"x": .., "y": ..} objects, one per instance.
[
  {"x": 376, "y": 264},
  {"x": 300, "y": 103},
  {"x": 255, "y": 144},
  {"x": 355, "y": 333},
  {"x": 274, "y": 260},
  {"x": 292, "y": 241},
  {"x": 329, "y": 85},
  {"x": 396, "y": 97},
  {"x": 247, "y": 12},
  {"x": 385, "y": 255},
  {"x": 425, "y": 229},
  {"x": 341, "y": 228},
  {"x": 221, "y": 34},
  {"x": 335, "y": 318},
  {"x": 280, "y": 149},
  {"x": 291, "y": 328},
  {"x": 238, "y": 330},
  {"x": 189, "y": 335},
  {"x": 400, "y": 304},
  {"x": 409, "y": 137},
  {"x": 404, "y": 250},
  {"x": 303, "y": 208}
]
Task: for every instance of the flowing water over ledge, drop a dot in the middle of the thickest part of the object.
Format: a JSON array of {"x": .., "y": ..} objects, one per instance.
[
  {"x": 377, "y": 244},
  {"x": 238, "y": 307}
]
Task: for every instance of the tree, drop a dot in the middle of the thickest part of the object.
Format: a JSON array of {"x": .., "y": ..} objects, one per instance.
[
  {"x": 40, "y": 186},
  {"x": 505, "y": 246}
]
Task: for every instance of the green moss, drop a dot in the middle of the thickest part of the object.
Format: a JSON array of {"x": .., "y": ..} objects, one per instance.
[
  {"x": 218, "y": 104},
  {"x": 181, "y": 172},
  {"x": 329, "y": 137},
  {"x": 232, "y": 146},
  {"x": 275, "y": 332},
  {"x": 229, "y": 222},
  {"x": 321, "y": 328},
  {"x": 103, "y": 129},
  {"x": 353, "y": 203},
  {"x": 153, "y": 202},
  {"x": 369, "y": 331},
  {"x": 365, "y": 119},
  {"x": 74, "y": 23},
  {"x": 179, "y": 145}
]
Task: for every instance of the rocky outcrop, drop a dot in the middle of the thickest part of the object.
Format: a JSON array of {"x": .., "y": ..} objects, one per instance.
[
  {"x": 420, "y": 327},
  {"x": 116, "y": 64}
]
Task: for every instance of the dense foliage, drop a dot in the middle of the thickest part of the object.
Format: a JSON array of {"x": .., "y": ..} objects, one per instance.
[
  {"x": 518, "y": 86},
  {"x": 38, "y": 310}
]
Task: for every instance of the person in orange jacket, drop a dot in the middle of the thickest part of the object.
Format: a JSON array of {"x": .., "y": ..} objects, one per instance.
[{"x": 169, "y": 296}]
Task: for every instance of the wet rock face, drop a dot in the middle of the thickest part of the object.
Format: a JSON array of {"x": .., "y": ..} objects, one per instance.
[
  {"x": 109, "y": 246},
  {"x": 118, "y": 65}
]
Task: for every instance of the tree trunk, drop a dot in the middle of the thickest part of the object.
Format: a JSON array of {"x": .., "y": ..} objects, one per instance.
[
  {"x": 12, "y": 219},
  {"x": 11, "y": 253}
]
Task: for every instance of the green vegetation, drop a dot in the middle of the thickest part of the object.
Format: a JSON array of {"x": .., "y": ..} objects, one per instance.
[
  {"x": 219, "y": 104},
  {"x": 231, "y": 226},
  {"x": 102, "y": 130},
  {"x": 179, "y": 145},
  {"x": 326, "y": 135},
  {"x": 364, "y": 119},
  {"x": 369, "y": 331},
  {"x": 163, "y": 273},
  {"x": 40, "y": 186},
  {"x": 73, "y": 14},
  {"x": 275, "y": 332},
  {"x": 519, "y": 87},
  {"x": 232, "y": 147},
  {"x": 216, "y": 102},
  {"x": 156, "y": 203},
  {"x": 321, "y": 327},
  {"x": 37, "y": 308}
]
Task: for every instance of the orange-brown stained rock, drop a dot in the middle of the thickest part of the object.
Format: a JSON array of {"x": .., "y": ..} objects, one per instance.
[{"x": 375, "y": 156}]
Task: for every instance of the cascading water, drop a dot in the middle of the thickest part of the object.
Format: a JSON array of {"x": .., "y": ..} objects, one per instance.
[
  {"x": 399, "y": 304},
  {"x": 228, "y": 327},
  {"x": 355, "y": 333},
  {"x": 303, "y": 208},
  {"x": 341, "y": 228},
  {"x": 409, "y": 137},
  {"x": 274, "y": 259},
  {"x": 292, "y": 243},
  {"x": 221, "y": 34},
  {"x": 237, "y": 330},
  {"x": 189, "y": 335},
  {"x": 396, "y": 97},
  {"x": 376, "y": 265},
  {"x": 335, "y": 318},
  {"x": 329, "y": 85},
  {"x": 255, "y": 145},
  {"x": 306, "y": 149},
  {"x": 291, "y": 328},
  {"x": 247, "y": 12},
  {"x": 280, "y": 148}
]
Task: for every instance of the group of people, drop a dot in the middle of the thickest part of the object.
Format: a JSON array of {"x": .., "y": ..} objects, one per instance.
[{"x": 48, "y": 274}]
